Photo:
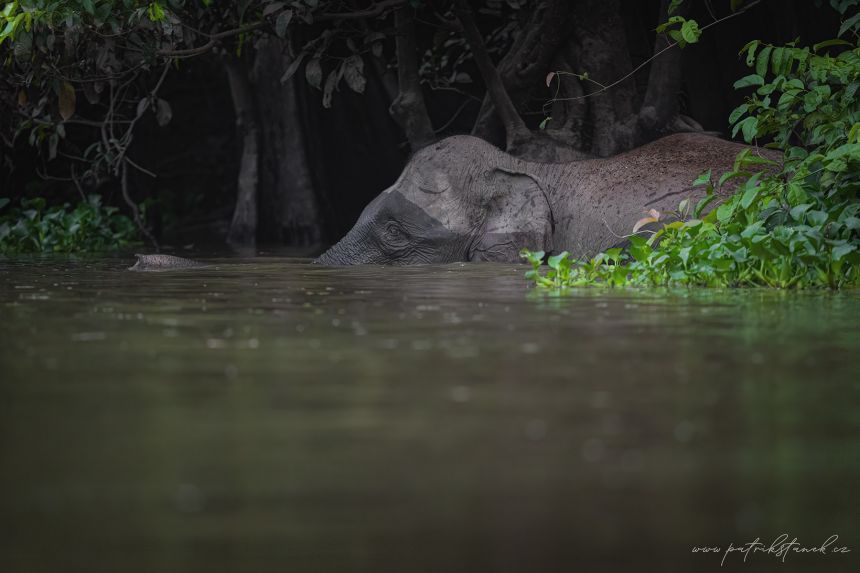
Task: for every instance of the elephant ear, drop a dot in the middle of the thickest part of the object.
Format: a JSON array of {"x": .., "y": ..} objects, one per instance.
[{"x": 517, "y": 215}]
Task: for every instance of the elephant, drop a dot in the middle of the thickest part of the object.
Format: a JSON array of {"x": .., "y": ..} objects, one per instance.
[
  {"x": 462, "y": 199},
  {"x": 149, "y": 263}
]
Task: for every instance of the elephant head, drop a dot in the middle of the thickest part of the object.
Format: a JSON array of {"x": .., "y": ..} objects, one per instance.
[{"x": 460, "y": 199}]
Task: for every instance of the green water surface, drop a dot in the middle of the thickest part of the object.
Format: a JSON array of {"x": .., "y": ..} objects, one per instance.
[{"x": 271, "y": 415}]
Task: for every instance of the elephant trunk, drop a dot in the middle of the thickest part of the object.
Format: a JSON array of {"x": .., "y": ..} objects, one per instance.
[{"x": 343, "y": 253}]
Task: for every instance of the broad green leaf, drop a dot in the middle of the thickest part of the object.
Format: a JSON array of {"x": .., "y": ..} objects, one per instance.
[
  {"x": 702, "y": 204},
  {"x": 353, "y": 73},
  {"x": 272, "y": 8},
  {"x": 282, "y": 22},
  {"x": 762, "y": 61},
  {"x": 690, "y": 31},
  {"x": 842, "y": 250},
  {"x": 313, "y": 73},
  {"x": 163, "y": 112},
  {"x": 749, "y": 128},
  {"x": 703, "y": 179},
  {"x": 798, "y": 212},
  {"x": 725, "y": 212},
  {"x": 749, "y": 196},
  {"x": 555, "y": 261},
  {"x": 816, "y": 217},
  {"x": 737, "y": 113},
  {"x": 849, "y": 24},
  {"x": 750, "y": 80}
]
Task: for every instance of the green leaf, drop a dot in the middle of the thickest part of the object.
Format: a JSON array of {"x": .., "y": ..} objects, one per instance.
[
  {"x": 293, "y": 67},
  {"x": 762, "y": 61},
  {"x": 676, "y": 35},
  {"x": 673, "y": 6},
  {"x": 555, "y": 261},
  {"x": 690, "y": 31},
  {"x": 353, "y": 73},
  {"x": 163, "y": 113},
  {"x": 702, "y": 204},
  {"x": 816, "y": 217},
  {"x": 725, "y": 212},
  {"x": 849, "y": 24},
  {"x": 749, "y": 196},
  {"x": 749, "y": 128},
  {"x": 750, "y": 80},
  {"x": 776, "y": 59},
  {"x": 828, "y": 43},
  {"x": 842, "y": 250},
  {"x": 272, "y": 8},
  {"x": 737, "y": 113},
  {"x": 703, "y": 179},
  {"x": 282, "y": 22},
  {"x": 750, "y": 49},
  {"x": 67, "y": 100},
  {"x": 797, "y": 213},
  {"x": 313, "y": 73}
]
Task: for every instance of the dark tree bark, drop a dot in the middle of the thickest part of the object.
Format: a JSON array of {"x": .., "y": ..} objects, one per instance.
[
  {"x": 289, "y": 204},
  {"x": 660, "y": 113},
  {"x": 516, "y": 132},
  {"x": 525, "y": 66},
  {"x": 569, "y": 111},
  {"x": 408, "y": 108},
  {"x": 243, "y": 228},
  {"x": 598, "y": 47},
  {"x": 660, "y": 105}
]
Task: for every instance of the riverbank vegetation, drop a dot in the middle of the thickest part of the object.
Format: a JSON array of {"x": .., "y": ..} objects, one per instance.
[
  {"x": 34, "y": 227},
  {"x": 796, "y": 225},
  {"x": 112, "y": 120}
]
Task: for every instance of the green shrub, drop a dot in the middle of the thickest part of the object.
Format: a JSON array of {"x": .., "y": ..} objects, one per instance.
[
  {"x": 33, "y": 227},
  {"x": 797, "y": 226}
]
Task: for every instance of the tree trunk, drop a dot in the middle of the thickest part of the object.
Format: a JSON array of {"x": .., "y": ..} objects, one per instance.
[
  {"x": 526, "y": 64},
  {"x": 290, "y": 211},
  {"x": 659, "y": 114},
  {"x": 243, "y": 228},
  {"x": 599, "y": 48},
  {"x": 516, "y": 132},
  {"x": 569, "y": 111},
  {"x": 408, "y": 108},
  {"x": 660, "y": 106}
]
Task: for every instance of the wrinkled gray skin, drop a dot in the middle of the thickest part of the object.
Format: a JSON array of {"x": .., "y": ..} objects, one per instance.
[
  {"x": 149, "y": 263},
  {"x": 462, "y": 199}
]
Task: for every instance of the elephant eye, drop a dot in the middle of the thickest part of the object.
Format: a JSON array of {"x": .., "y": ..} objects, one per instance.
[{"x": 394, "y": 232}]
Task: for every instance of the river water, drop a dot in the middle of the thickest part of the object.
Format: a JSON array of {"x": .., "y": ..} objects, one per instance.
[{"x": 271, "y": 415}]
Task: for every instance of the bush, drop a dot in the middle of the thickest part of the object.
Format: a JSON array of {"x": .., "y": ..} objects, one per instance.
[
  {"x": 795, "y": 226},
  {"x": 32, "y": 227}
]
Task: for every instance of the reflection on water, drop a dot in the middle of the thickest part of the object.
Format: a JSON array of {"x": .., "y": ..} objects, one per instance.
[{"x": 271, "y": 415}]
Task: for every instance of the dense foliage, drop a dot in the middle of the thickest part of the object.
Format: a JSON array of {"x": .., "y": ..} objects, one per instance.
[
  {"x": 79, "y": 77},
  {"x": 794, "y": 225},
  {"x": 33, "y": 227}
]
